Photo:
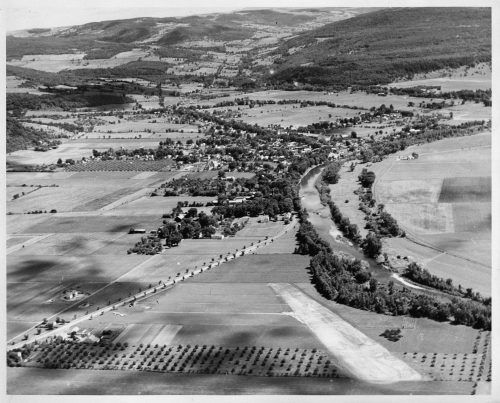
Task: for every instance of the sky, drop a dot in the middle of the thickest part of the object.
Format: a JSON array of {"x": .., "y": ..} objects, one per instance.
[{"x": 24, "y": 14}]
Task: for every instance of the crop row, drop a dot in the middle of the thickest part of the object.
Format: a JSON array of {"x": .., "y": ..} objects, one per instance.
[
  {"x": 118, "y": 165},
  {"x": 257, "y": 361}
]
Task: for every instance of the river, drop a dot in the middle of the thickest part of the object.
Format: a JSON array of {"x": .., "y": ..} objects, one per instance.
[{"x": 320, "y": 218}]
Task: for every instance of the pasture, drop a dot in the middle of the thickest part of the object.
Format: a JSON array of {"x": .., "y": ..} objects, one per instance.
[
  {"x": 443, "y": 200},
  {"x": 468, "y": 189},
  {"x": 156, "y": 125},
  {"x": 155, "y": 205},
  {"x": 254, "y": 229},
  {"x": 293, "y": 115},
  {"x": 89, "y": 382},
  {"x": 71, "y": 61},
  {"x": 419, "y": 334},
  {"x": 462, "y": 78},
  {"x": 357, "y": 99},
  {"x": 77, "y": 223},
  {"x": 457, "y": 264},
  {"x": 68, "y": 198}
]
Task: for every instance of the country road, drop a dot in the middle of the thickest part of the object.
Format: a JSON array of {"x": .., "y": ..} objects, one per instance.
[{"x": 143, "y": 294}]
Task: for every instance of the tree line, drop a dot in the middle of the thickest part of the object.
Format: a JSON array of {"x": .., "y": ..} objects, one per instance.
[{"x": 346, "y": 281}]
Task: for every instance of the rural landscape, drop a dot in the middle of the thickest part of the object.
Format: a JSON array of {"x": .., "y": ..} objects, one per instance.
[{"x": 278, "y": 201}]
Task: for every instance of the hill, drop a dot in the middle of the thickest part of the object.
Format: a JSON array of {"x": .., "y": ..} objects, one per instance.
[
  {"x": 107, "y": 38},
  {"x": 377, "y": 47}
]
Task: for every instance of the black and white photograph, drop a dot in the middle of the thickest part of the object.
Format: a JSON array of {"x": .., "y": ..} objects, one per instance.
[{"x": 263, "y": 200}]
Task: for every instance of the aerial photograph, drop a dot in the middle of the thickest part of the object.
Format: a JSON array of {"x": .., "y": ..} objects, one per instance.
[{"x": 248, "y": 200}]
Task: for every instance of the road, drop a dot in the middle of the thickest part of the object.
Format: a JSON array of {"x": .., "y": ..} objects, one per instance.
[{"x": 141, "y": 295}]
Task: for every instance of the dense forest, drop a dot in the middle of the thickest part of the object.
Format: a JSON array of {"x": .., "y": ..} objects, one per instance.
[
  {"x": 378, "y": 47},
  {"x": 20, "y": 137}
]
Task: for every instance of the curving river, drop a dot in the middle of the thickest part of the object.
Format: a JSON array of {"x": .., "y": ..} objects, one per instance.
[{"x": 320, "y": 218}]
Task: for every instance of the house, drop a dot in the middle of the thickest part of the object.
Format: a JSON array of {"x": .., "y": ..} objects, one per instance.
[
  {"x": 212, "y": 165},
  {"x": 263, "y": 219},
  {"x": 180, "y": 217}
]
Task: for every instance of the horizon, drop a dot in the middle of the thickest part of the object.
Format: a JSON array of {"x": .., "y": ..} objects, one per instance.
[{"x": 27, "y": 14}]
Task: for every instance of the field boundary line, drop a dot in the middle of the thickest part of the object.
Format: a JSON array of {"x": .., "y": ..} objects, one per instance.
[
  {"x": 126, "y": 199},
  {"x": 31, "y": 241},
  {"x": 164, "y": 286},
  {"x": 414, "y": 238}
]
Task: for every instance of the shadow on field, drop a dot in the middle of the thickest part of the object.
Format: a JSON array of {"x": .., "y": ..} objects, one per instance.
[
  {"x": 81, "y": 270},
  {"x": 240, "y": 338},
  {"x": 77, "y": 243},
  {"x": 29, "y": 270},
  {"x": 144, "y": 383},
  {"x": 123, "y": 227}
]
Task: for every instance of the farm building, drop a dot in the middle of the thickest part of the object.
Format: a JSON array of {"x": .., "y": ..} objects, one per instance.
[{"x": 263, "y": 219}]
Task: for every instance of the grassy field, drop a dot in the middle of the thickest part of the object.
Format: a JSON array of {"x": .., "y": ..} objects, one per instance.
[
  {"x": 342, "y": 194},
  {"x": 74, "y": 198},
  {"x": 285, "y": 244},
  {"x": 155, "y": 205},
  {"x": 114, "y": 382},
  {"x": 446, "y": 265},
  {"x": 157, "y": 125},
  {"x": 419, "y": 334},
  {"x": 340, "y": 98},
  {"x": 254, "y": 229},
  {"x": 260, "y": 269},
  {"x": 443, "y": 199},
  {"x": 456, "y": 190},
  {"x": 92, "y": 223},
  {"x": 462, "y": 78},
  {"x": 286, "y": 115},
  {"x": 77, "y": 191}
]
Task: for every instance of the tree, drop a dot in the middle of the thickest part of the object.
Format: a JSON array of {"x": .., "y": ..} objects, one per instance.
[
  {"x": 287, "y": 205},
  {"x": 170, "y": 233},
  {"x": 362, "y": 276},
  {"x": 367, "y": 155},
  {"x": 390, "y": 287},
  {"x": 366, "y": 178},
  {"x": 331, "y": 173},
  {"x": 373, "y": 285},
  {"x": 372, "y": 245},
  {"x": 206, "y": 232}
]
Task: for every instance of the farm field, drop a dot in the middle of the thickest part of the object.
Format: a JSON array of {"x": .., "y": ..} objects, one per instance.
[
  {"x": 285, "y": 244},
  {"x": 138, "y": 138},
  {"x": 293, "y": 115},
  {"x": 91, "y": 382},
  {"x": 14, "y": 86},
  {"x": 157, "y": 125},
  {"x": 68, "y": 198},
  {"x": 155, "y": 205},
  {"x": 82, "y": 223},
  {"x": 254, "y": 229},
  {"x": 443, "y": 199},
  {"x": 462, "y": 78},
  {"x": 358, "y": 99},
  {"x": 419, "y": 334},
  {"x": 71, "y": 61}
]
